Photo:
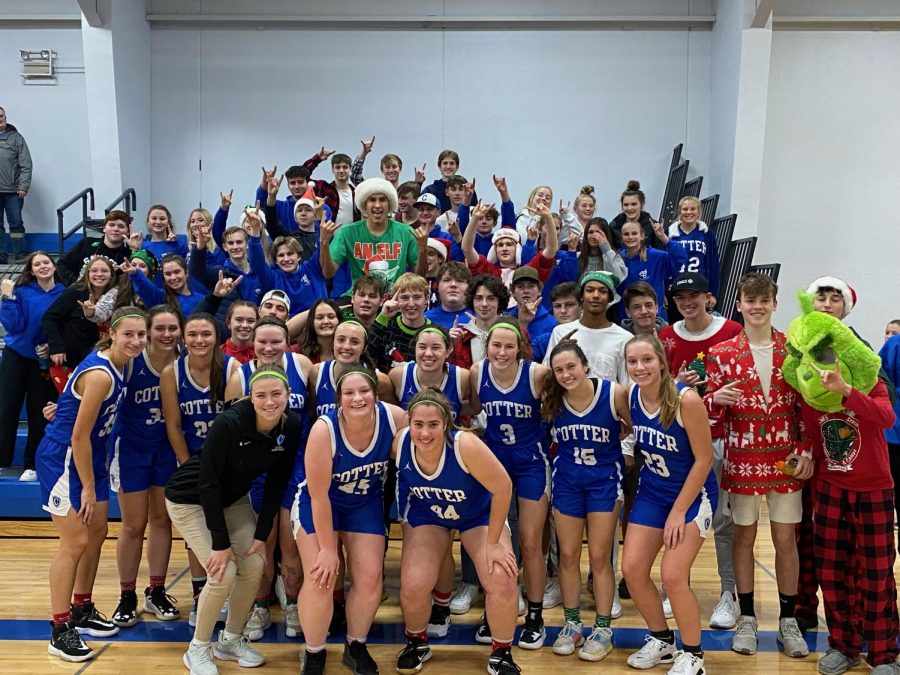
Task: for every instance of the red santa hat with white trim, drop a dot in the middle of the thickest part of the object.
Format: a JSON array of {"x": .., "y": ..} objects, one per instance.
[{"x": 842, "y": 287}]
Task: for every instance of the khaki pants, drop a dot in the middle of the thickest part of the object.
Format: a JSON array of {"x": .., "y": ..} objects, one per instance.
[{"x": 241, "y": 578}]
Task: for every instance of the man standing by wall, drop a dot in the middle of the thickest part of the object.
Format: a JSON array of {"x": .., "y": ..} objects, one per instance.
[{"x": 15, "y": 180}]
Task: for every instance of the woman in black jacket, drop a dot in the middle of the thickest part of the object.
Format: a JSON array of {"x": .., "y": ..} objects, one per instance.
[
  {"x": 207, "y": 500},
  {"x": 113, "y": 245},
  {"x": 70, "y": 334}
]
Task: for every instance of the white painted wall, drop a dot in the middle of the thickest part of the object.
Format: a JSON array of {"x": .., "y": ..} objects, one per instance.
[
  {"x": 53, "y": 119},
  {"x": 565, "y": 108},
  {"x": 830, "y": 201}
]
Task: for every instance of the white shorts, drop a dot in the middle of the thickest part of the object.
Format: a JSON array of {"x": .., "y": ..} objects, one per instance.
[{"x": 784, "y": 507}]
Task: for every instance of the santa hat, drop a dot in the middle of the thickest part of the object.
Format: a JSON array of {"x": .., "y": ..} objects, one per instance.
[
  {"x": 505, "y": 233},
  {"x": 441, "y": 246},
  {"x": 372, "y": 186},
  {"x": 308, "y": 199},
  {"x": 842, "y": 287},
  {"x": 377, "y": 265}
]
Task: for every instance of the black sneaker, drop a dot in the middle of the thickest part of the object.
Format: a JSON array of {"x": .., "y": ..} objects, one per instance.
[
  {"x": 414, "y": 655},
  {"x": 483, "y": 634},
  {"x": 439, "y": 622},
  {"x": 501, "y": 663},
  {"x": 88, "y": 621},
  {"x": 126, "y": 614},
  {"x": 338, "y": 623},
  {"x": 162, "y": 604},
  {"x": 807, "y": 623},
  {"x": 66, "y": 643},
  {"x": 533, "y": 635},
  {"x": 357, "y": 658},
  {"x": 623, "y": 591},
  {"x": 314, "y": 663}
]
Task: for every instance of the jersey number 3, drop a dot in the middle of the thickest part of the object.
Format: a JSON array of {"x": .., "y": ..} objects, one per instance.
[{"x": 656, "y": 464}]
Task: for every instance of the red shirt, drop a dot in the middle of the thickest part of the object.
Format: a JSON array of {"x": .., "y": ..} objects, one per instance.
[
  {"x": 848, "y": 446},
  {"x": 682, "y": 347},
  {"x": 242, "y": 354}
]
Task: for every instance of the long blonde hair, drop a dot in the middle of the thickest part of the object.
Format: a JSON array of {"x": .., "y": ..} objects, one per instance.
[{"x": 669, "y": 399}]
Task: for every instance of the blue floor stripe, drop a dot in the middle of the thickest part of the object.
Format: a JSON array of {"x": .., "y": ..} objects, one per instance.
[{"x": 382, "y": 633}]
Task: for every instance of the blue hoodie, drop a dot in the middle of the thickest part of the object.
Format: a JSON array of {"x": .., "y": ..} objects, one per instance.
[
  {"x": 21, "y": 317},
  {"x": 303, "y": 287},
  {"x": 890, "y": 364}
]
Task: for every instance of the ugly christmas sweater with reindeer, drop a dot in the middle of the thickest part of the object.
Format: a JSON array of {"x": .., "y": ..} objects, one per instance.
[{"x": 757, "y": 432}]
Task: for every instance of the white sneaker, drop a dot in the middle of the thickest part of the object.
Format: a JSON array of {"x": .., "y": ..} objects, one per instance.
[
  {"x": 597, "y": 645},
  {"x": 28, "y": 476},
  {"x": 258, "y": 623},
  {"x": 667, "y": 608},
  {"x": 223, "y": 613},
  {"x": 552, "y": 593},
  {"x": 522, "y": 606},
  {"x": 463, "y": 597},
  {"x": 568, "y": 639},
  {"x": 687, "y": 664},
  {"x": 745, "y": 638},
  {"x": 652, "y": 654},
  {"x": 292, "y": 621},
  {"x": 616, "y": 610},
  {"x": 192, "y": 617},
  {"x": 791, "y": 639},
  {"x": 726, "y": 613},
  {"x": 198, "y": 659},
  {"x": 237, "y": 649}
]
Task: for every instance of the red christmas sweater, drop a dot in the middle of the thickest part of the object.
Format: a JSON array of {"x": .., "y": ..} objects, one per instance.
[
  {"x": 848, "y": 446},
  {"x": 757, "y": 433}
]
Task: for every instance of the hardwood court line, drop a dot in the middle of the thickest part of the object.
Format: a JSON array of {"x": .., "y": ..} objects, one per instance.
[
  {"x": 178, "y": 578},
  {"x": 772, "y": 576},
  {"x": 93, "y": 660}
]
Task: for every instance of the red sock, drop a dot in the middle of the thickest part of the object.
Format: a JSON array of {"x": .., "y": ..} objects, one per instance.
[
  {"x": 441, "y": 599},
  {"x": 128, "y": 585},
  {"x": 418, "y": 634},
  {"x": 497, "y": 644},
  {"x": 338, "y": 596},
  {"x": 82, "y": 599},
  {"x": 60, "y": 620},
  {"x": 156, "y": 582}
]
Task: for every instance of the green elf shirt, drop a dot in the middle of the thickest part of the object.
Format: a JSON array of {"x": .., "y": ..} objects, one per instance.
[{"x": 390, "y": 254}]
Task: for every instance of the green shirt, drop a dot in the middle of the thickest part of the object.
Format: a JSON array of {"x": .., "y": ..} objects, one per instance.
[{"x": 395, "y": 251}]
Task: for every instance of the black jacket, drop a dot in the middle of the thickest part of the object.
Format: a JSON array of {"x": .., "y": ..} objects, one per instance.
[
  {"x": 70, "y": 264},
  {"x": 232, "y": 456},
  {"x": 615, "y": 225},
  {"x": 68, "y": 331}
]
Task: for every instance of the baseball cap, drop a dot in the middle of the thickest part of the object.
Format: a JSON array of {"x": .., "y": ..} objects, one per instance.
[
  {"x": 280, "y": 296},
  {"x": 525, "y": 273},
  {"x": 428, "y": 198},
  {"x": 690, "y": 281}
]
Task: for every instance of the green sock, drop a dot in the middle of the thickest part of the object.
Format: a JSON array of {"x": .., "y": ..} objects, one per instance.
[
  {"x": 572, "y": 614},
  {"x": 602, "y": 621},
  {"x": 261, "y": 603}
]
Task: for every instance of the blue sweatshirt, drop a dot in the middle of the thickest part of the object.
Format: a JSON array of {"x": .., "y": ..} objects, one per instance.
[
  {"x": 303, "y": 287},
  {"x": 658, "y": 270},
  {"x": 161, "y": 248},
  {"x": 151, "y": 294},
  {"x": 483, "y": 242},
  {"x": 207, "y": 275},
  {"x": 890, "y": 364},
  {"x": 702, "y": 252},
  {"x": 21, "y": 317},
  {"x": 445, "y": 318}
]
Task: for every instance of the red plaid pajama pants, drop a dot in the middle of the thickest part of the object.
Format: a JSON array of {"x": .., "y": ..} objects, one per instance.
[
  {"x": 808, "y": 583},
  {"x": 853, "y": 541}
]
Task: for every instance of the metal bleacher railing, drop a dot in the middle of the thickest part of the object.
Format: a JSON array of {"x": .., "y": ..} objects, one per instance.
[
  {"x": 127, "y": 201},
  {"x": 736, "y": 263}
]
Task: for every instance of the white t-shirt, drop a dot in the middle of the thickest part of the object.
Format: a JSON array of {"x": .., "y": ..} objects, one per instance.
[
  {"x": 604, "y": 348},
  {"x": 762, "y": 359},
  {"x": 345, "y": 207}
]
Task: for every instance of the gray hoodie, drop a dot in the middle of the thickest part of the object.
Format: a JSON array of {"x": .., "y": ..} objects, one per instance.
[{"x": 15, "y": 161}]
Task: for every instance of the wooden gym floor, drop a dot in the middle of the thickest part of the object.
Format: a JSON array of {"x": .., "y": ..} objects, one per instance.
[{"x": 156, "y": 647}]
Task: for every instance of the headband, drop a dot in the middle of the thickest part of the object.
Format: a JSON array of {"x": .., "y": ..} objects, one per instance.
[
  {"x": 433, "y": 329},
  {"x": 132, "y": 315},
  {"x": 358, "y": 323},
  {"x": 260, "y": 374},
  {"x": 507, "y": 326},
  {"x": 428, "y": 401},
  {"x": 365, "y": 373}
]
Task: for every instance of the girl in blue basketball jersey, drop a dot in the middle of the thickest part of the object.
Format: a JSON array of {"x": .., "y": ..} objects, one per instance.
[
  {"x": 270, "y": 344},
  {"x": 448, "y": 479},
  {"x": 507, "y": 386},
  {"x": 192, "y": 390},
  {"x": 347, "y": 455},
  {"x": 351, "y": 342},
  {"x": 676, "y": 498},
  {"x": 588, "y": 416},
  {"x": 430, "y": 369},
  {"x": 141, "y": 465},
  {"x": 71, "y": 467}
]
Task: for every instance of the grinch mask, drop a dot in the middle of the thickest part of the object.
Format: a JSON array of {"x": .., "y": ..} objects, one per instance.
[{"x": 818, "y": 340}]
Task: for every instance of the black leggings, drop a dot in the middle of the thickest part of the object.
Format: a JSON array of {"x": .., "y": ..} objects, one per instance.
[{"x": 21, "y": 381}]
